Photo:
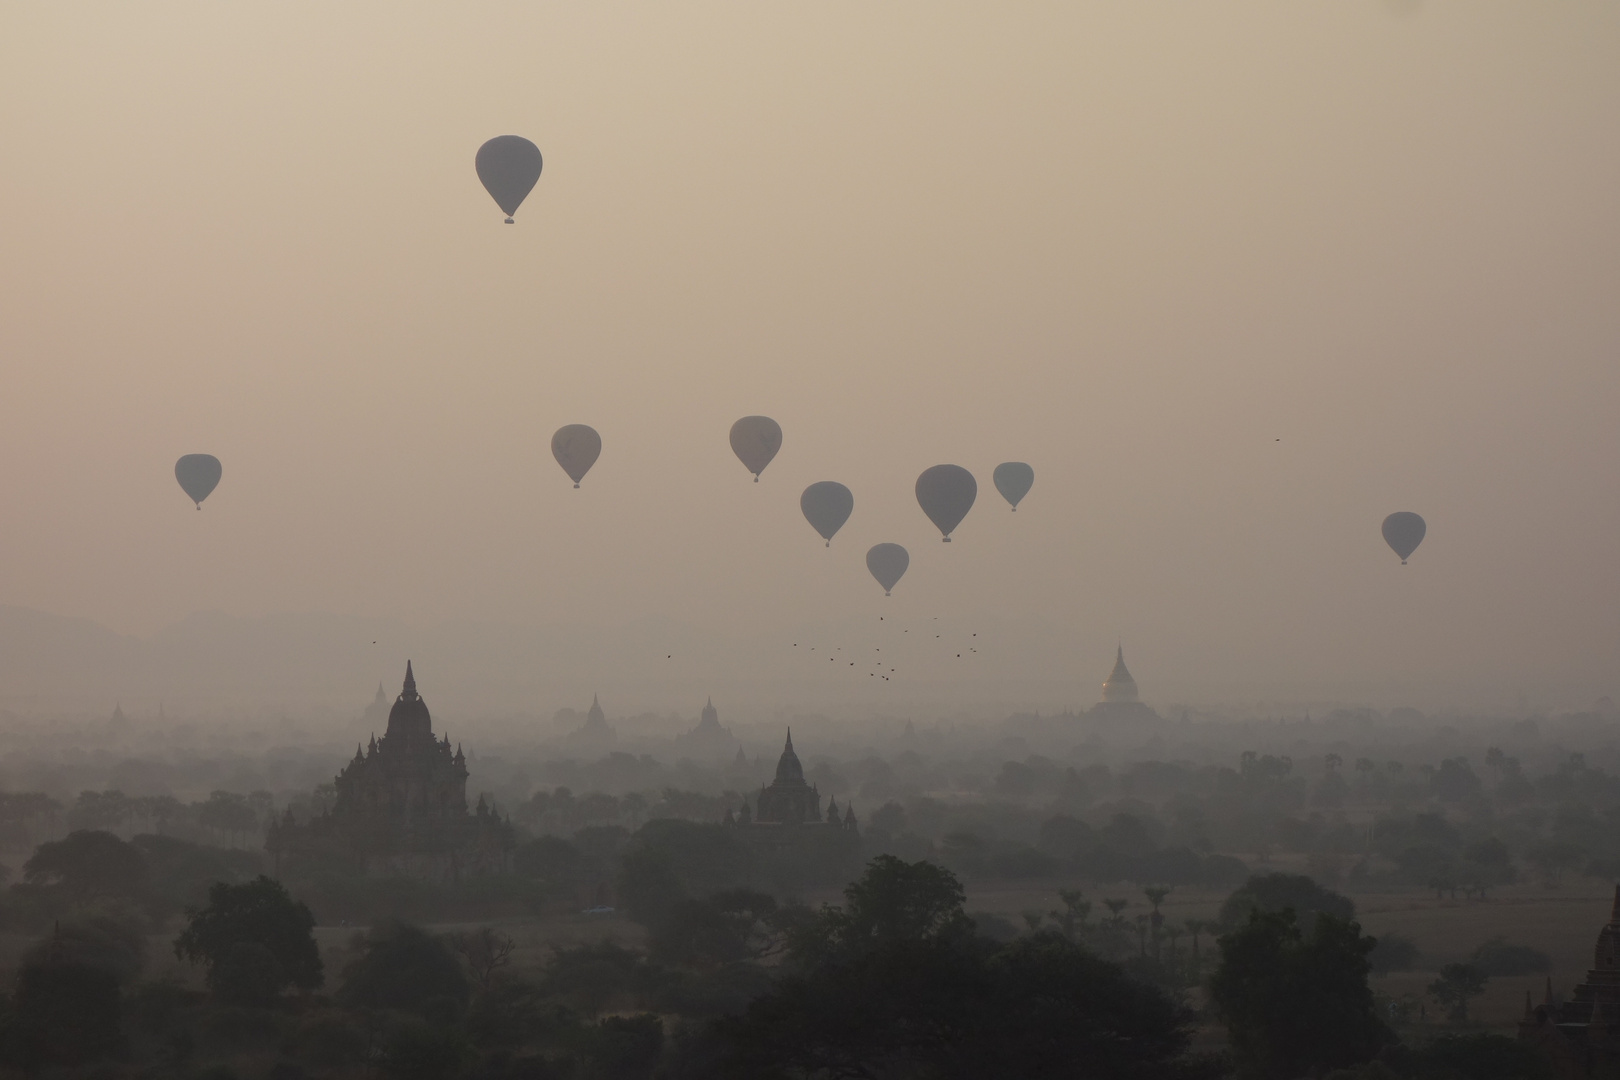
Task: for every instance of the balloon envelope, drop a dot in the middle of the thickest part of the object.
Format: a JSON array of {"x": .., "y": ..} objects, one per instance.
[
  {"x": 946, "y": 494},
  {"x": 509, "y": 166},
  {"x": 755, "y": 440},
  {"x": 576, "y": 448},
  {"x": 1403, "y": 532},
  {"x": 198, "y": 475},
  {"x": 1013, "y": 479},
  {"x": 826, "y": 507},
  {"x": 888, "y": 564}
]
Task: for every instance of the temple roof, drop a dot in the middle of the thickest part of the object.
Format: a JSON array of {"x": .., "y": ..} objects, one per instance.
[
  {"x": 1119, "y": 686},
  {"x": 788, "y": 768},
  {"x": 409, "y": 718}
]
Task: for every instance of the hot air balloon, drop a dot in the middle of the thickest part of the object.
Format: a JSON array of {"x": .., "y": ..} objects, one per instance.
[
  {"x": 888, "y": 564},
  {"x": 755, "y": 440},
  {"x": 198, "y": 475},
  {"x": 826, "y": 507},
  {"x": 576, "y": 448},
  {"x": 509, "y": 166},
  {"x": 946, "y": 494},
  {"x": 1403, "y": 532},
  {"x": 1013, "y": 479}
]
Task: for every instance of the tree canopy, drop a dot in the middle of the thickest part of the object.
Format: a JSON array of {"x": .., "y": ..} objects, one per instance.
[
  {"x": 255, "y": 939},
  {"x": 404, "y": 967},
  {"x": 897, "y": 983},
  {"x": 1277, "y": 892},
  {"x": 88, "y": 864},
  {"x": 1293, "y": 1003}
]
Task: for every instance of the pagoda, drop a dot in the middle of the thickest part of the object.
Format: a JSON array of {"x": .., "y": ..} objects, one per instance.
[
  {"x": 401, "y": 808},
  {"x": 1581, "y": 1036},
  {"x": 1120, "y": 697}
]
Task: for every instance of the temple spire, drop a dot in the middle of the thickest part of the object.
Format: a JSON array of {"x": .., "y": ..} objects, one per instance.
[
  {"x": 1119, "y": 686},
  {"x": 410, "y": 682}
]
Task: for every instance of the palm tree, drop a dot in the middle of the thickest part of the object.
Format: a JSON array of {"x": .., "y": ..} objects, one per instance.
[
  {"x": 1196, "y": 927},
  {"x": 1114, "y": 908},
  {"x": 1156, "y": 895}
]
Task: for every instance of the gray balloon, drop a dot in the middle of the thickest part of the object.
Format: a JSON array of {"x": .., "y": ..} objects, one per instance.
[
  {"x": 946, "y": 494},
  {"x": 576, "y": 448},
  {"x": 509, "y": 166},
  {"x": 198, "y": 475},
  {"x": 888, "y": 564},
  {"x": 1013, "y": 479},
  {"x": 826, "y": 507},
  {"x": 755, "y": 440},
  {"x": 1403, "y": 532}
]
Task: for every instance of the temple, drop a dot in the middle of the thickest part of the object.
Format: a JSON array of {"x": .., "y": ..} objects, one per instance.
[
  {"x": 595, "y": 735},
  {"x": 710, "y": 739},
  {"x": 1120, "y": 698},
  {"x": 788, "y": 811},
  {"x": 1581, "y": 1036},
  {"x": 401, "y": 808}
]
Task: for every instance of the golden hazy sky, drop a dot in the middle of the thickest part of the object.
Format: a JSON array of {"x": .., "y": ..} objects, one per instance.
[{"x": 1238, "y": 280}]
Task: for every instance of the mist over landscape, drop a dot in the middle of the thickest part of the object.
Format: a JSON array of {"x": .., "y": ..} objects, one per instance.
[{"x": 473, "y": 603}]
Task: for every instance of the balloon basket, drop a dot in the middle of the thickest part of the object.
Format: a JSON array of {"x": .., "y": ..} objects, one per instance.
[
  {"x": 510, "y": 221},
  {"x": 756, "y": 479},
  {"x": 944, "y": 539}
]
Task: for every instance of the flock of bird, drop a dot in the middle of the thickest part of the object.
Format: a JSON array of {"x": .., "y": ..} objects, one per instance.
[{"x": 509, "y": 167}]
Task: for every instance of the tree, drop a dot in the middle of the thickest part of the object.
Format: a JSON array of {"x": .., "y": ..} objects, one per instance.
[
  {"x": 404, "y": 967},
  {"x": 1477, "y": 1057},
  {"x": 900, "y": 985},
  {"x": 959, "y": 1007},
  {"x": 1456, "y": 984},
  {"x": 733, "y": 925},
  {"x": 88, "y": 865},
  {"x": 627, "y": 1046},
  {"x": 1294, "y": 1004},
  {"x": 1277, "y": 892},
  {"x": 180, "y": 873},
  {"x": 590, "y": 978},
  {"x": 1553, "y": 857},
  {"x": 255, "y": 939},
  {"x": 898, "y": 901},
  {"x": 1197, "y": 927},
  {"x": 1076, "y": 910},
  {"x": 99, "y": 810},
  {"x": 63, "y": 1014},
  {"x": 486, "y": 950},
  {"x": 1497, "y": 957},
  {"x": 106, "y": 943}
]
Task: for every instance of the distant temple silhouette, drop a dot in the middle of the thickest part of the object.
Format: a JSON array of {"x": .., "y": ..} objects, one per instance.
[
  {"x": 1120, "y": 698},
  {"x": 710, "y": 739},
  {"x": 401, "y": 808},
  {"x": 1581, "y": 1036},
  {"x": 788, "y": 812}
]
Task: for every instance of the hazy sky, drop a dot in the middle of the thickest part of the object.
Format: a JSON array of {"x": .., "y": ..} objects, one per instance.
[{"x": 1238, "y": 280}]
